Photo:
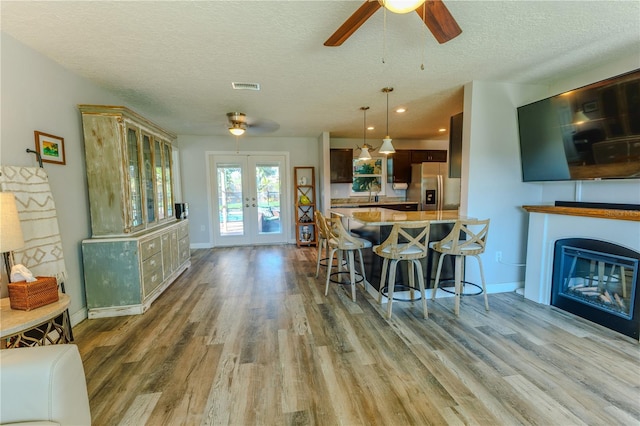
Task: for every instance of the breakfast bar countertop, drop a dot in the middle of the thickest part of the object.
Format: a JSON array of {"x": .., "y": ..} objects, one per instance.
[{"x": 382, "y": 216}]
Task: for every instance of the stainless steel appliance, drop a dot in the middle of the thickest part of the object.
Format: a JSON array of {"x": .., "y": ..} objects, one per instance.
[{"x": 432, "y": 187}]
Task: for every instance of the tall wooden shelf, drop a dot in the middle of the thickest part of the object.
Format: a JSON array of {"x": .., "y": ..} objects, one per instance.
[{"x": 305, "y": 205}]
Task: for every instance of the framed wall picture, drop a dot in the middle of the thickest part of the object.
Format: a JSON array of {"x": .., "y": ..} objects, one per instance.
[
  {"x": 50, "y": 148},
  {"x": 590, "y": 106}
]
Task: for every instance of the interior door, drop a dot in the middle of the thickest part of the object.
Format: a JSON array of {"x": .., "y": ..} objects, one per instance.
[{"x": 248, "y": 199}]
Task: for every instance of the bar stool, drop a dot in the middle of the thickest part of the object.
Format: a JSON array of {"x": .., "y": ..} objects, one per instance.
[
  {"x": 467, "y": 238},
  {"x": 323, "y": 240},
  {"x": 341, "y": 240},
  {"x": 400, "y": 246}
]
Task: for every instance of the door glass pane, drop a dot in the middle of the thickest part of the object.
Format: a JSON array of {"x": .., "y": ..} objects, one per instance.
[
  {"x": 168, "y": 179},
  {"x": 157, "y": 153},
  {"x": 134, "y": 177},
  {"x": 149, "y": 194},
  {"x": 268, "y": 195},
  {"x": 230, "y": 199}
]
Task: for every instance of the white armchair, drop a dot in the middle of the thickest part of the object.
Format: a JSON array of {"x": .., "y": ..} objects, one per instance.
[{"x": 43, "y": 385}]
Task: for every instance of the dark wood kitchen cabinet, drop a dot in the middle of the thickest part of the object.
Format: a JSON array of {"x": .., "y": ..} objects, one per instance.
[
  {"x": 399, "y": 163},
  {"x": 399, "y": 166},
  {"x": 428, "y": 155},
  {"x": 341, "y": 165}
]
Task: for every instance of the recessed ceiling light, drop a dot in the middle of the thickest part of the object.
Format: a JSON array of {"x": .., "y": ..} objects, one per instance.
[
  {"x": 401, "y": 110},
  {"x": 370, "y": 128},
  {"x": 442, "y": 130}
]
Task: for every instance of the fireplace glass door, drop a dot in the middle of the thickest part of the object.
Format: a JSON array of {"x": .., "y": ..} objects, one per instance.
[{"x": 597, "y": 280}]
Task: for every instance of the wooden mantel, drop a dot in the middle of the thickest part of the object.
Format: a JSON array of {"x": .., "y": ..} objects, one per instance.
[{"x": 632, "y": 215}]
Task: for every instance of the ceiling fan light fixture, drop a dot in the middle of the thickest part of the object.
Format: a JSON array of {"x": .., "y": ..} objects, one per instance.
[
  {"x": 236, "y": 130},
  {"x": 237, "y": 123},
  {"x": 401, "y": 6}
]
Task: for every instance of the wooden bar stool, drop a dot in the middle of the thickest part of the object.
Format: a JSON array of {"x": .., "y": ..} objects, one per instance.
[
  {"x": 467, "y": 238},
  {"x": 323, "y": 240},
  {"x": 343, "y": 242},
  {"x": 403, "y": 245}
]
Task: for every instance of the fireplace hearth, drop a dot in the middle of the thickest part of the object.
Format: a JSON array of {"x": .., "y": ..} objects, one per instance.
[{"x": 598, "y": 281}]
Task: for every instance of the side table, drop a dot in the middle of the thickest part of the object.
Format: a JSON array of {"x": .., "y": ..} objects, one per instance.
[{"x": 36, "y": 327}]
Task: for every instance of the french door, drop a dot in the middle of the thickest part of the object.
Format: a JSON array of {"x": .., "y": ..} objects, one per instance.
[{"x": 249, "y": 202}]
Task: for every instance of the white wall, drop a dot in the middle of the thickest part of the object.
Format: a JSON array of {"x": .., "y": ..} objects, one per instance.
[
  {"x": 492, "y": 182},
  {"x": 38, "y": 94},
  {"x": 193, "y": 149}
]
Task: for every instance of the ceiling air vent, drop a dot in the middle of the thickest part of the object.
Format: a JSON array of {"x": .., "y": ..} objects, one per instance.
[{"x": 245, "y": 86}]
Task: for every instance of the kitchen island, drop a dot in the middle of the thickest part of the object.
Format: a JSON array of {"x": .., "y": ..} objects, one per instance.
[{"x": 374, "y": 224}]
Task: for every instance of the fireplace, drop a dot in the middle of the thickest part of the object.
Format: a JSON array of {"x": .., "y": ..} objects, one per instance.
[{"x": 598, "y": 280}]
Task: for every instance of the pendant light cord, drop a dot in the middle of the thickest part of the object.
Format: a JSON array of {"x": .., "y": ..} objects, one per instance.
[
  {"x": 426, "y": 34},
  {"x": 364, "y": 125},
  {"x": 387, "y": 111},
  {"x": 364, "y": 151}
]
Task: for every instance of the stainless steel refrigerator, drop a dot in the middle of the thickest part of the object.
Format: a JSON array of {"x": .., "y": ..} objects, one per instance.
[{"x": 432, "y": 187}]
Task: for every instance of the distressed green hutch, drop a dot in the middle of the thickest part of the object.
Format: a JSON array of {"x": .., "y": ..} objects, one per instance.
[{"x": 137, "y": 248}]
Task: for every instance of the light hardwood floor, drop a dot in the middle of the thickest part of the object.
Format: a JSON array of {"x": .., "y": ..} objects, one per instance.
[{"x": 246, "y": 336}]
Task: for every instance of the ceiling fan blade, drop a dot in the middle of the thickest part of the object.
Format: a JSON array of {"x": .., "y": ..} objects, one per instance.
[
  {"x": 261, "y": 127},
  {"x": 354, "y": 22},
  {"x": 439, "y": 20}
]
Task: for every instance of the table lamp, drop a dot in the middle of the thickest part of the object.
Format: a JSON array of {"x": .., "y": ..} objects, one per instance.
[{"x": 10, "y": 230}]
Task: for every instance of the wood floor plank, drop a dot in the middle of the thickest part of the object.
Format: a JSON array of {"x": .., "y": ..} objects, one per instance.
[
  {"x": 139, "y": 411},
  {"x": 246, "y": 336}
]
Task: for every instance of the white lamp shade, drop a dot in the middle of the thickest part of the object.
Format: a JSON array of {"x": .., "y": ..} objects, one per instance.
[
  {"x": 10, "y": 230},
  {"x": 580, "y": 117},
  {"x": 387, "y": 147},
  {"x": 401, "y": 6},
  {"x": 364, "y": 153}
]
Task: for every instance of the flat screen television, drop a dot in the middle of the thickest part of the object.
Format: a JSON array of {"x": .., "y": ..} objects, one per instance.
[{"x": 588, "y": 133}]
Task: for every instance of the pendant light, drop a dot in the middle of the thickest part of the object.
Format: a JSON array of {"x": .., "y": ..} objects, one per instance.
[
  {"x": 400, "y": 6},
  {"x": 364, "y": 151},
  {"x": 387, "y": 147}
]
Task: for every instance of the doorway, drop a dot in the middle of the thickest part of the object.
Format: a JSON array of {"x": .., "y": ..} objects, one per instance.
[{"x": 248, "y": 199}]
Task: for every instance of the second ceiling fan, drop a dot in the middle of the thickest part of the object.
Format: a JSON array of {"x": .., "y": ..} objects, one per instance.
[{"x": 433, "y": 13}]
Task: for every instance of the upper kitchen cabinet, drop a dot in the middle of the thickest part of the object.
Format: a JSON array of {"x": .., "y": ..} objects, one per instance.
[
  {"x": 455, "y": 146},
  {"x": 129, "y": 171},
  {"x": 399, "y": 163},
  {"x": 341, "y": 165},
  {"x": 399, "y": 166},
  {"x": 428, "y": 155}
]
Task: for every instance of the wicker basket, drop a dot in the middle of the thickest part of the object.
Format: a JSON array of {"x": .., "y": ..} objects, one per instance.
[{"x": 25, "y": 296}]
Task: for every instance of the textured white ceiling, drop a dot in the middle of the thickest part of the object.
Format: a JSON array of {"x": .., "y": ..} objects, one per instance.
[{"x": 174, "y": 61}]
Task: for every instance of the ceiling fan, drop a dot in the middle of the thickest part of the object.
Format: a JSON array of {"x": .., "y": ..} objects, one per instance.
[
  {"x": 239, "y": 123},
  {"x": 433, "y": 13}
]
